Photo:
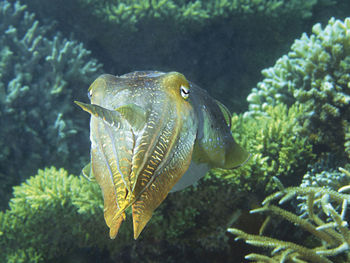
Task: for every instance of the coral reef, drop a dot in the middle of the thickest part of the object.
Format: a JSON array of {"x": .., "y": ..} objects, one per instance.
[
  {"x": 53, "y": 215},
  {"x": 326, "y": 223},
  {"x": 49, "y": 215},
  {"x": 323, "y": 175},
  {"x": 129, "y": 13},
  {"x": 221, "y": 44},
  {"x": 39, "y": 77},
  {"x": 314, "y": 76},
  {"x": 300, "y": 108},
  {"x": 347, "y": 138},
  {"x": 277, "y": 147},
  {"x": 315, "y": 73}
]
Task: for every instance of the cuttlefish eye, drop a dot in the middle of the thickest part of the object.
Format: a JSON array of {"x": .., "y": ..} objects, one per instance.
[{"x": 184, "y": 92}]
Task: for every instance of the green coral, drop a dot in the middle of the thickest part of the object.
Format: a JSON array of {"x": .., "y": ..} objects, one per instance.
[
  {"x": 40, "y": 74},
  {"x": 50, "y": 215},
  {"x": 277, "y": 147},
  {"x": 206, "y": 40},
  {"x": 315, "y": 73},
  {"x": 326, "y": 221},
  {"x": 347, "y": 138},
  {"x": 130, "y": 12}
]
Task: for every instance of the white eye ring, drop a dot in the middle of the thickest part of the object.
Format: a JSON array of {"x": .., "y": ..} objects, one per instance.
[{"x": 185, "y": 92}]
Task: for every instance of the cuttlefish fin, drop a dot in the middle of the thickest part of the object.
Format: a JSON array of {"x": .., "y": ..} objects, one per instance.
[
  {"x": 225, "y": 112},
  {"x": 236, "y": 156},
  {"x": 133, "y": 114}
]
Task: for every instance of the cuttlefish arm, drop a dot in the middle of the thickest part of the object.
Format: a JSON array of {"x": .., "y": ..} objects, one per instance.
[
  {"x": 132, "y": 113},
  {"x": 112, "y": 141}
]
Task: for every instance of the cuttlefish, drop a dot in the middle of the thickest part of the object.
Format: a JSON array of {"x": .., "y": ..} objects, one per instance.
[{"x": 152, "y": 133}]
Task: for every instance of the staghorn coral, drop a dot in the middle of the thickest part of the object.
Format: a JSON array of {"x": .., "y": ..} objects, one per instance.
[
  {"x": 277, "y": 148},
  {"x": 326, "y": 221},
  {"x": 322, "y": 174},
  {"x": 315, "y": 73},
  {"x": 39, "y": 76}
]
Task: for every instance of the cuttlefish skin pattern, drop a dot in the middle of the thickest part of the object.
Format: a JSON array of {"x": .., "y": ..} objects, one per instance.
[{"x": 146, "y": 128}]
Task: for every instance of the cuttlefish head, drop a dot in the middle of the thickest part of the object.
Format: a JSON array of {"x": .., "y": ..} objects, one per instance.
[{"x": 142, "y": 135}]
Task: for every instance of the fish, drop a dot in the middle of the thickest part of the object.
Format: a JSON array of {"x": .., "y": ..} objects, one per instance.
[{"x": 153, "y": 133}]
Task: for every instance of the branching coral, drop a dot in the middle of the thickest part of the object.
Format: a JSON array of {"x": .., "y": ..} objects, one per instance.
[
  {"x": 326, "y": 221},
  {"x": 131, "y": 12},
  {"x": 322, "y": 175},
  {"x": 207, "y": 40},
  {"x": 54, "y": 214},
  {"x": 128, "y": 13},
  {"x": 315, "y": 73},
  {"x": 277, "y": 148},
  {"x": 39, "y": 76},
  {"x": 347, "y": 138},
  {"x": 50, "y": 214}
]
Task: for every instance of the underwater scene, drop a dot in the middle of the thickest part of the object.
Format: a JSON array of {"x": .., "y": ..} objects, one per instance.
[{"x": 175, "y": 131}]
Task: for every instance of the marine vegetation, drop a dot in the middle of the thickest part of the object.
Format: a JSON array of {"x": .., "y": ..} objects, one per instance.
[
  {"x": 207, "y": 40},
  {"x": 347, "y": 138},
  {"x": 277, "y": 146},
  {"x": 40, "y": 72},
  {"x": 55, "y": 216},
  {"x": 325, "y": 173},
  {"x": 128, "y": 13},
  {"x": 315, "y": 73},
  {"x": 324, "y": 218},
  {"x": 49, "y": 215},
  {"x": 152, "y": 133}
]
